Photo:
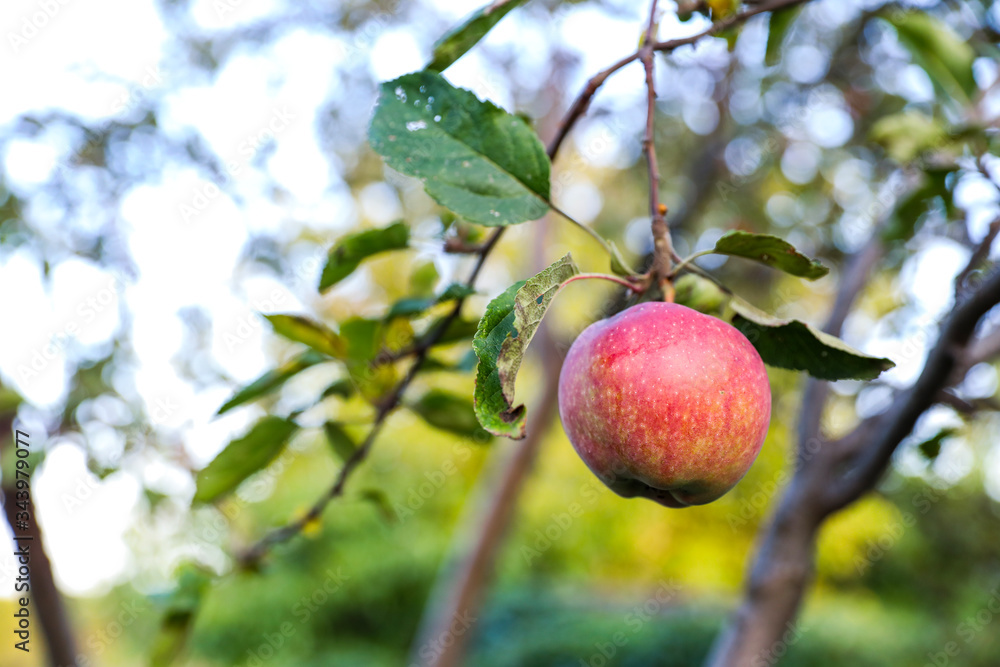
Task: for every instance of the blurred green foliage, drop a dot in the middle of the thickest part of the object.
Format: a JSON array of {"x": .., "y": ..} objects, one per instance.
[{"x": 899, "y": 575}]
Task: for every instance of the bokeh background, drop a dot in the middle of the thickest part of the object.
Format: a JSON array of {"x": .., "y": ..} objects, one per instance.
[{"x": 171, "y": 169}]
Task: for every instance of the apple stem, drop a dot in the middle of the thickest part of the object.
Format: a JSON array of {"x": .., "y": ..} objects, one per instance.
[
  {"x": 662, "y": 247},
  {"x": 636, "y": 287},
  {"x": 594, "y": 235},
  {"x": 684, "y": 263}
]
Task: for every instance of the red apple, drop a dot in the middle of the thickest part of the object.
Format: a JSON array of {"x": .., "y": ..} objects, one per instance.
[{"x": 663, "y": 402}]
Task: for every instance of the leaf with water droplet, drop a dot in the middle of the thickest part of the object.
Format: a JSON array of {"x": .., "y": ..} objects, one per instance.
[{"x": 473, "y": 157}]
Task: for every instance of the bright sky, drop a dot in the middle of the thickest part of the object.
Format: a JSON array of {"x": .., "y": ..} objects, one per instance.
[{"x": 186, "y": 237}]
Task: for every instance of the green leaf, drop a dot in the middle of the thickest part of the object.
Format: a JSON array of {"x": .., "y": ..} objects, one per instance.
[
  {"x": 363, "y": 338},
  {"x": 243, "y": 457},
  {"x": 459, "y": 329},
  {"x": 492, "y": 410},
  {"x": 343, "y": 388},
  {"x": 464, "y": 365},
  {"x": 798, "y": 346},
  {"x": 340, "y": 442},
  {"x": 381, "y": 502},
  {"x": 619, "y": 266},
  {"x": 507, "y": 327},
  {"x": 454, "y": 44},
  {"x": 371, "y": 373},
  {"x": 411, "y": 307},
  {"x": 181, "y": 607},
  {"x": 934, "y": 186},
  {"x": 9, "y": 400},
  {"x": 931, "y": 447},
  {"x": 456, "y": 291},
  {"x": 273, "y": 379},
  {"x": 699, "y": 293},
  {"x": 348, "y": 254},
  {"x": 777, "y": 28},
  {"x": 769, "y": 250},
  {"x": 448, "y": 412},
  {"x": 303, "y": 330},
  {"x": 423, "y": 279},
  {"x": 473, "y": 157},
  {"x": 907, "y": 134},
  {"x": 530, "y": 305},
  {"x": 934, "y": 46}
]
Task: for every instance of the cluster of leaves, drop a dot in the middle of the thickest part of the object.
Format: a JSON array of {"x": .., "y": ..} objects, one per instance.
[
  {"x": 368, "y": 350},
  {"x": 487, "y": 167}
]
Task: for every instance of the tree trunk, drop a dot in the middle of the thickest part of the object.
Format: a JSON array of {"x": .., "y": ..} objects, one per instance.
[
  {"x": 44, "y": 595},
  {"x": 763, "y": 628}
]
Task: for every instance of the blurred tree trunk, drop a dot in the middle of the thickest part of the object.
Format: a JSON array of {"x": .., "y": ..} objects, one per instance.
[
  {"x": 831, "y": 475},
  {"x": 44, "y": 595},
  {"x": 462, "y": 584},
  {"x": 454, "y": 607}
]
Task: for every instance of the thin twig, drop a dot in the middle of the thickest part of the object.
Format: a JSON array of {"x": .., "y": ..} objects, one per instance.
[
  {"x": 984, "y": 348},
  {"x": 688, "y": 262},
  {"x": 582, "y": 102},
  {"x": 967, "y": 406},
  {"x": 872, "y": 443},
  {"x": 390, "y": 402},
  {"x": 624, "y": 282},
  {"x": 597, "y": 237},
  {"x": 725, "y": 24},
  {"x": 256, "y": 552},
  {"x": 662, "y": 248},
  {"x": 979, "y": 255}
]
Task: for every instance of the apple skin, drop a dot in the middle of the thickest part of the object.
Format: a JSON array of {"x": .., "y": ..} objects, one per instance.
[{"x": 663, "y": 402}]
